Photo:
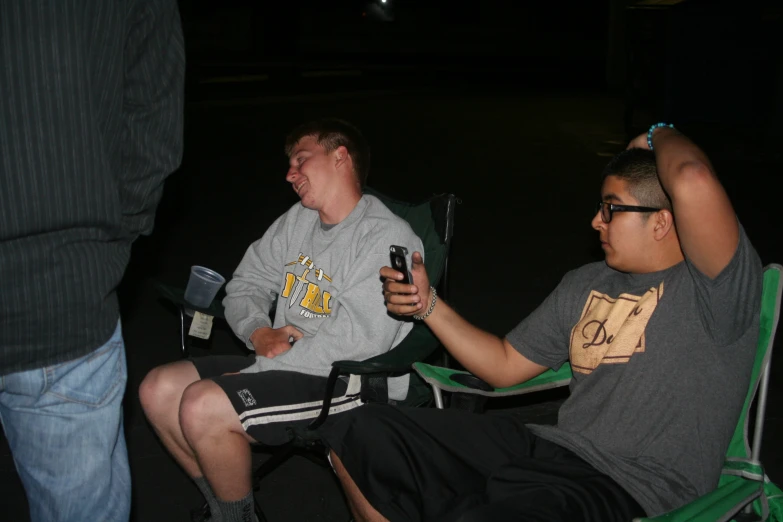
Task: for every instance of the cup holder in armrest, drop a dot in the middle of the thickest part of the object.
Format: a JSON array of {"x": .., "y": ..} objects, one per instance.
[{"x": 471, "y": 381}]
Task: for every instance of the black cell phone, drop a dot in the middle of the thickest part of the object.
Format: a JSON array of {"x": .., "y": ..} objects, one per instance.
[{"x": 397, "y": 255}]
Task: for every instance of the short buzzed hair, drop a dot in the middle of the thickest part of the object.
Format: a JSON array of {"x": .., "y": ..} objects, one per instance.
[
  {"x": 637, "y": 167},
  {"x": 331, "y": 133}
]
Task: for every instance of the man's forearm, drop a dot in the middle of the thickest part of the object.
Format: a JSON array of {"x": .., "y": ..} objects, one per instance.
[
  {"x": 706, "y": 224},
  {"x": 246, "y": 314},
  {"x": 677, "y": 158},
  {"x": 480, "y": 352}
]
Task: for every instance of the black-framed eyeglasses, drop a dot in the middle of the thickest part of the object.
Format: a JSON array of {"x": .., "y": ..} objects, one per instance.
[{"x": 607, "y": 209}]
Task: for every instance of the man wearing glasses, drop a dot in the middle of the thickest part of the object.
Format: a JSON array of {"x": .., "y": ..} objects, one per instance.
[{"x": 639, "y": 434}]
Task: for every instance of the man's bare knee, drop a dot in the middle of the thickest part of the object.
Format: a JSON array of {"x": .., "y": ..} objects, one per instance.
[
  {"x": 205, "y": 409},
  {"x": 161, "y": 390}
]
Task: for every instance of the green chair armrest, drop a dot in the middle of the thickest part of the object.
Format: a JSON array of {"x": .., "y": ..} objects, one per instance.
[
  {"x": 720, "y": 504},
  {"x": 440, "y": 378},
  {"x": 177, "y": 296},
  {"x": 743, "y": 468}
]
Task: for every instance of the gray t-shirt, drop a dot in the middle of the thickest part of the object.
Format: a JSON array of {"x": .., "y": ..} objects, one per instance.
[{"x": 661, "y": 366}]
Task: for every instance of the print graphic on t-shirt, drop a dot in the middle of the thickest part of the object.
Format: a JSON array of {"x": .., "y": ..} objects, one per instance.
[
  {"x": 611, "y": 329},
  {"x": 307, "y": 293}
]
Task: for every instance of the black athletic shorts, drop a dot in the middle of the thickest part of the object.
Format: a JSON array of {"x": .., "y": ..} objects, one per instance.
[
  {"x": 270, "y": 402},
  {"x": 448, "y": 465}
]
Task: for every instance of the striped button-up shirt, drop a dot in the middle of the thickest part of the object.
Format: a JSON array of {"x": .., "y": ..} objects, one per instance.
[{"x": 91, "y": 103}]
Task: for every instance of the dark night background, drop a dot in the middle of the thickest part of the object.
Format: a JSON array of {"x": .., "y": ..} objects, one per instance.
[{"x": 514, "y": 106}]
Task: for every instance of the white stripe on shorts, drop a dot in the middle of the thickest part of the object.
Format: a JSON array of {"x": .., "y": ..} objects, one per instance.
[{"x": 304, "y": 410}]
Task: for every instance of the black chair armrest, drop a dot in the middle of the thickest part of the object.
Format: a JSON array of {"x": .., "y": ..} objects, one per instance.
[
  {"x": 328, "y": 396},
  {"x": 417, "y": 345},
  {"x": 368, "y": 367},
  {"x": 177, "y": 296}
]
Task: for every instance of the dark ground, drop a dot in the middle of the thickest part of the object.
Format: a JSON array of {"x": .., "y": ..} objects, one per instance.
[{"x": 524, "y": 161}]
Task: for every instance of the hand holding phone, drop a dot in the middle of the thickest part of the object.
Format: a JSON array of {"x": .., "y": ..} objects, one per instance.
[{"x": 397, "y": 255}]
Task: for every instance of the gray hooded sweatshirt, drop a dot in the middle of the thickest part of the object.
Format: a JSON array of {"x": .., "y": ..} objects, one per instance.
[{"x": 325, "y": 282}]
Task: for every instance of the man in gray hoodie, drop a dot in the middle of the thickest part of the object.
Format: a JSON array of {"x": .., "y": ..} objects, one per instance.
[{"x": 317, "y": 267}]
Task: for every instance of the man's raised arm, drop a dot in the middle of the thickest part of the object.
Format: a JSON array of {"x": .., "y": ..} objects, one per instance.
[{"x": 706, "y": 223}]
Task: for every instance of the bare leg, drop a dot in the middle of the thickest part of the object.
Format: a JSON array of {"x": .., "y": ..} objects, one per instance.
[
  {"x": 222, "y": 448},
  {"x": 361, "y": 509},
  {"x": 160, "y": 394}
]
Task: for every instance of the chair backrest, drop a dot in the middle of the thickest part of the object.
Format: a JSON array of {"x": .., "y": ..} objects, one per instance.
[
  {"x": 433, "y": 221},
  {"x": 770, "y": 314}
]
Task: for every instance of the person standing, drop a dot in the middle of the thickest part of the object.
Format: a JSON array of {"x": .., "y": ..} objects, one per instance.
[{"x": 91, "y": 124}]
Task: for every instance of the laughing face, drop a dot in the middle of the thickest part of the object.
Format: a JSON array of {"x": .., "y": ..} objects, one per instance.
[{"x": 310, "y": 172}]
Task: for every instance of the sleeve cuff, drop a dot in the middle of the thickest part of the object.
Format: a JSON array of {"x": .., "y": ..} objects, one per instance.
[{"x": 251, "y": 326}]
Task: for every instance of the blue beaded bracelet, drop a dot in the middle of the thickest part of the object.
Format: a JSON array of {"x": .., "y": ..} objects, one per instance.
[{"x": 652, "y": 129}]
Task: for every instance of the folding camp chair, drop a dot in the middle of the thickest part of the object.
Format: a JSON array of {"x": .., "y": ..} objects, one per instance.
[
  {"x": 744, "y": 492},
  {"x": 433, "y": 221}
]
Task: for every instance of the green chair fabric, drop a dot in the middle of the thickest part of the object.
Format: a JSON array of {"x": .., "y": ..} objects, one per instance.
[
  {"x": 432, "y": 221},
  {"x": 440, "y": 379},
  {"x": 743, "y": 480}
]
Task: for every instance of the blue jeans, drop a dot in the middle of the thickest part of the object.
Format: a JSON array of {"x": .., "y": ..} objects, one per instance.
[{"x": 64, "y": 426}]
